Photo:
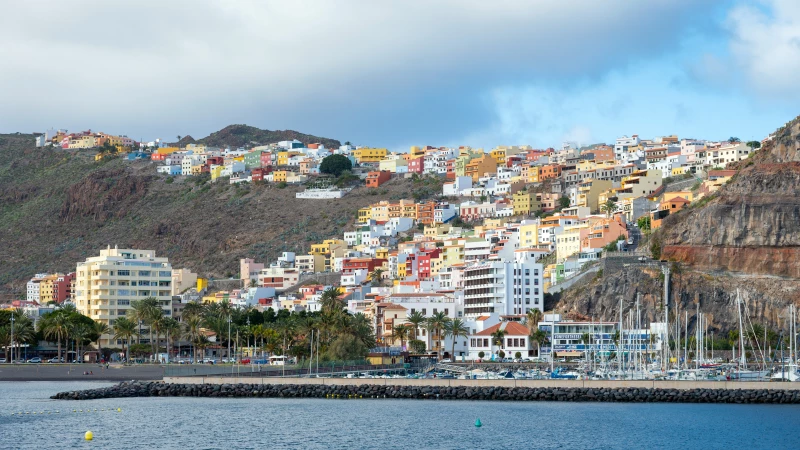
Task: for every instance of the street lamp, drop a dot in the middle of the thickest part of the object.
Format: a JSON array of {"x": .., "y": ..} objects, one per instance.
[{"x": 248, "y": 334}]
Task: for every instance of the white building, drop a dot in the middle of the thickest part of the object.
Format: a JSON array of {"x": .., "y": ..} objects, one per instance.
[
  {"x": 32, "y": 287},
  {"x": 503, "y": 287},
  {"x": 516, "y": 340},
  {"x": 106, "y": 285}
]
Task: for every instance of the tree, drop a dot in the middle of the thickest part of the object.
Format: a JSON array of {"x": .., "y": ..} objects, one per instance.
[
  {"x": 376, "y": 275},
  {"x": 330, "y": 300},
  {"x": 754, "y": 145},
  {"x": 518, "y": 355},
  {"x": 416, "y": 346},
  {"x": 608, "y": 207},
  {"x": 400, "y": 332},
  {"x": 481, "y": 354},
  {"x": 563, "y": 202},
  {"x": 415, "y": 318},
  {"x": 335, "y": 165},
  {"x": 436, "y": 325},
  {"x": 734, "y": 140},
  {"x": 193, "y": 334},
  {"x": 643, "y": 223},
  {"x": 533, "y": 317},
  {"x": 498, "y": 337},
  {"x": 55, "y": 326},
  {"x": 172, "y": 330},
  {"x": 100, "y": 329},
  {"x": 456, "y": 328},
  {"x": 125, "y": 329},
  {"x": 540, "y": 337}
]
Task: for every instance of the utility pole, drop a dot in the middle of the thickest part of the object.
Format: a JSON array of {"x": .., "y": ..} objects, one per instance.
[{"x": 11, "y": 358}]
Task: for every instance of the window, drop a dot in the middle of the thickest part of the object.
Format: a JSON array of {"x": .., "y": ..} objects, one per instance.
[
  {"x": 424, "y": 311},
  {"x": 124, "y": 273}
]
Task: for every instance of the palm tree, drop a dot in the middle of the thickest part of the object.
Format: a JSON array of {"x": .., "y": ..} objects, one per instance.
[
  {"x": 376, "y": 275},
  {"x": 125, "y": 329},
  {"x": 193, "y": 333},
  {"x": 456, "y": 328},
  {"x": 415, "y": 318},
  {"x": 143, "y": 311},
  {"x": 534, "y": 316},
  {"x": 540, "y": 337},
  {"x": 192, "y": 309},
  {"x": 608, "y": 207},
  {"x": 400, "y": 332},
  {"x": 330, "y": 299},
  {"x": 586, "y": 339},
  {"x": 100, "y": 329},
  {"x": 436, "y": 325},
  {"x": 156, "y": 320},
  {"x": 55, "y": 326},
  {"x": 80, "y": 332},
  {"x": 498, "y": 337},
  {"x": 172, "y": 330}
]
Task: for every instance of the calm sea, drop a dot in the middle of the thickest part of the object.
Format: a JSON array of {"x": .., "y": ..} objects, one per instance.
[{"x": 189, "y": 423}]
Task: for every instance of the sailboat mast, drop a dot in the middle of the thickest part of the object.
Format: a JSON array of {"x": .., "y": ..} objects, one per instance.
[{"x": 741, "y": 330}]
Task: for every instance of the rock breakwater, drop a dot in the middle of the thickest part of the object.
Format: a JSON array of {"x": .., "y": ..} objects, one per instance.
[{"x": 369, "y": 391}]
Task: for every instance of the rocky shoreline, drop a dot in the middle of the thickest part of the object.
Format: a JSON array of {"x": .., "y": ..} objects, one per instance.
[{"x": 367, "y": 391}]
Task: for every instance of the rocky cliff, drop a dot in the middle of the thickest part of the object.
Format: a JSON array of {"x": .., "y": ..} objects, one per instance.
[
  {"x": 752, "y": 225},
  {"x": 767, "y": 298}
]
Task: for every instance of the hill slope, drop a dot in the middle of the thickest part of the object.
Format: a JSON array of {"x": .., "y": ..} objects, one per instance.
[
  {"x": 58, "y": 207},
  {"x": 235, "y": 136}
]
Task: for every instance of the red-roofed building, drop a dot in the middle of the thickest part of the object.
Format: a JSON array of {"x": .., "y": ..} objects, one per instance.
[
  {"x": 516, "y": 339},
  {"x": 350, "y": 265},
  {"x": 377, "y": 178}
]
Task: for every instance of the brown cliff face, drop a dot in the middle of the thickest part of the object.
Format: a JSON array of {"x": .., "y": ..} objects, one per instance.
[
  {"x": 767, "y": 298},
  {"x": 753, "y": 223}
]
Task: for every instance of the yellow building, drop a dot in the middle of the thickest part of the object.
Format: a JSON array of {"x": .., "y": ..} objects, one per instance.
[
  {"x": 416, "y": 151},
  {"x": 365, "y": 154},
  {"x": 528, "y": 235},
  {"x": 640, "y": 183},
  {"x": 499, "y": 155},
  {"x": 568, "y": 242},
  {"x": 215, "y": 172},
  {"x": 364, "y": 215},
  {"x": 679, "y": 171},
  {"x": 686, "y": 195},
  {"x": 283, "y": 158},
  {"x": 453, "y": 254},
  {"x": 382, "y": 253},
  {"x": 525, "y": 203},
  {"x": 589, "y": 192},
  {"x": 47, "y": 289},
  {"x": 202, "y": 283},
  {"x": 280, "y": 176},
  {"x": 327, "y": 247}
]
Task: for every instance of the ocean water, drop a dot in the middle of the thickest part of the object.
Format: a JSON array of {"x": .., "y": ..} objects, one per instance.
[{"x": 200, "y": 423}]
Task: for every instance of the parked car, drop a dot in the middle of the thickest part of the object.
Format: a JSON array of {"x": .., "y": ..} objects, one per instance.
[
  {"x": 35, "y": 360},
  {"x": 245, "y": 361},
  {"x": 447, "y": 360},
  {"x": 2, "y": 360},
  {"x": 55, "y": 360},
  {"x": 209, "y": 361},
  {"x": 630, "y": 241},
  {"x": 184, "y": 361}
]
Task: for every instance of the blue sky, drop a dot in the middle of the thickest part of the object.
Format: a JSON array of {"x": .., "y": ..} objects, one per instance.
[{"x": 395, "y": 74}]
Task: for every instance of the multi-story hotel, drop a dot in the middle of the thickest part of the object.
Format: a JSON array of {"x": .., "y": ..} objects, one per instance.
[{"x": 106, "y": 285}]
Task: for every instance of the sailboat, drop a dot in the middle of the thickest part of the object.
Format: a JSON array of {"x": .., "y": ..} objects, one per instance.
[{"x": 742, "y": 372}]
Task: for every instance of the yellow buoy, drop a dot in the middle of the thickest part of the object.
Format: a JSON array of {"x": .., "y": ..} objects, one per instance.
[
  {"x": 119, "y": 409},
  {"x": 88, "y": 436}
]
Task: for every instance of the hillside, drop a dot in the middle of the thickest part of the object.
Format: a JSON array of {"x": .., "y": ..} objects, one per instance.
[
  {"x": 745, "y": 237},
  {"x": 752, "y": 225},
  {"x": 58, "y": 207},
  {"x": 235, "y": 136}
]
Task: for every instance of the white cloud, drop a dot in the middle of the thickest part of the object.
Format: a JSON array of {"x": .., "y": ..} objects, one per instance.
[
  {"x": 190, "y": 66},
  {"x": 765, "y": 45}
]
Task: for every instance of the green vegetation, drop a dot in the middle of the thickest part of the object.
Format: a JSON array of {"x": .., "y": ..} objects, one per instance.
[
  {"x": 643, "y": 223},
  {"x": 335, "y": 165}
]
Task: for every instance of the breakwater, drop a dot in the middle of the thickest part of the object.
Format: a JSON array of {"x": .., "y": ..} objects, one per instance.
[{"x": 380, "y": 391}]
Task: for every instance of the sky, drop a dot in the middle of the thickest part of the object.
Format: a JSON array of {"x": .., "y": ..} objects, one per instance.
[{"x": 401, "y": 73}]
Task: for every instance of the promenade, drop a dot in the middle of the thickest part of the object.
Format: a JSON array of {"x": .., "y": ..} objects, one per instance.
[{"x": 74, "y": 372}]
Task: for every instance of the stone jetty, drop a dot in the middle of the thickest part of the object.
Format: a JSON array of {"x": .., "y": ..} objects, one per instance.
[{"x": 372, "y": 391}]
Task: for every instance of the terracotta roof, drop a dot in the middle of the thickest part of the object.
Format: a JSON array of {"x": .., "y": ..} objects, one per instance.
[
  {"x": 482, "y": 318},
  {"x": 511, "y": 329}
]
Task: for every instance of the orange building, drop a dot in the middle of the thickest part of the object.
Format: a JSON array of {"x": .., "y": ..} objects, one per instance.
[
  {"x": 478, "y": 167},
  {"x": 375, "y": 179},
  {"x": 549, "y": 171}
]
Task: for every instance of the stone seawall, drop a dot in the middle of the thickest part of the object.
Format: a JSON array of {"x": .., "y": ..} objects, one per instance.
[{"x": 476, "y": 392}]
